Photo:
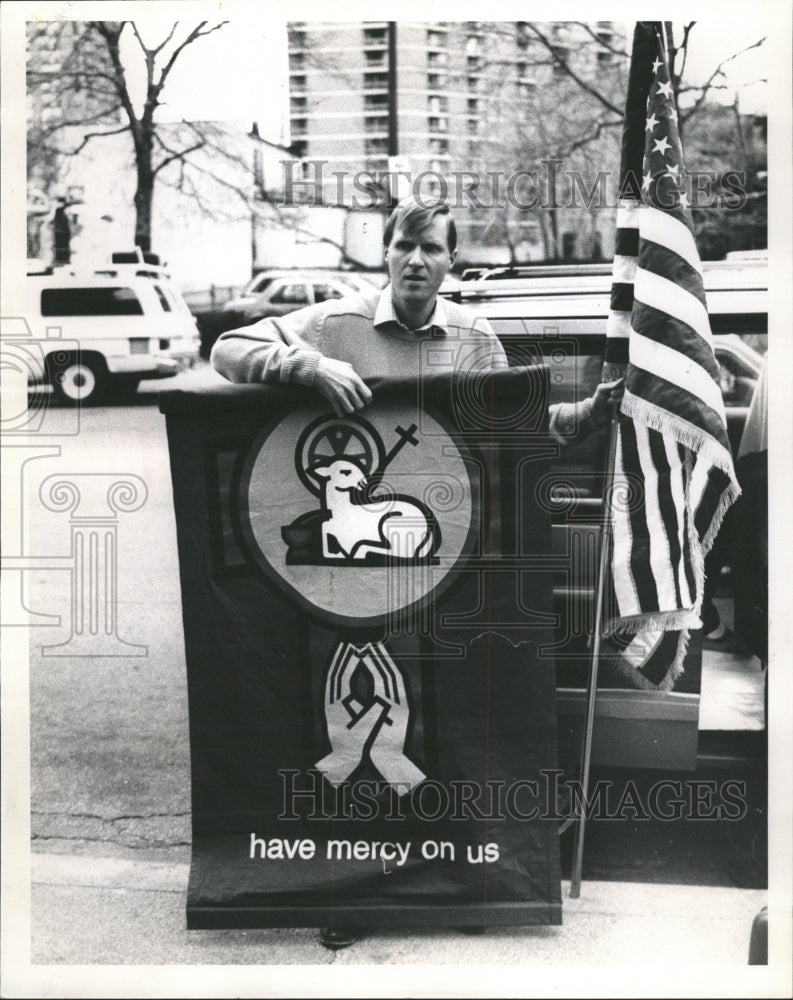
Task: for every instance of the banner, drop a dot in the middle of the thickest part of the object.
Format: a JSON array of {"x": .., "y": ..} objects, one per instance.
[{"x": 372, "y": 728}]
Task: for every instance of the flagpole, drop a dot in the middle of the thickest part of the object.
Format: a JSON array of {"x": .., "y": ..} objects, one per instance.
[{"x": 591, "y": 691}]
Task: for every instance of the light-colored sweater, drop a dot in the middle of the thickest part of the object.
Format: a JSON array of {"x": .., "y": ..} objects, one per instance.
[{"x": 363, "y": 330}]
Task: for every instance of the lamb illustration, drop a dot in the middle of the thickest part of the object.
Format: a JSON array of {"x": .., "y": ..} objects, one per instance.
[
  {"x": 342, "y": 462},
  {"x": 394, "y": 526}
]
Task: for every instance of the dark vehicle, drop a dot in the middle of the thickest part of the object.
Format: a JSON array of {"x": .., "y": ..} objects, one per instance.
[{"x": 558, "y": 316}]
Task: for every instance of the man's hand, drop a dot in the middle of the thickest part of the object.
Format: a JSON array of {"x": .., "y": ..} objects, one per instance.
[
  {"x": 606, "y": 394},
  {"x": 340, "y": 384}
]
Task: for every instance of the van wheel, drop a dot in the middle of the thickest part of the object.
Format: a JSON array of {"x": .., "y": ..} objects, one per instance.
[{"x": 76, "y": 380}]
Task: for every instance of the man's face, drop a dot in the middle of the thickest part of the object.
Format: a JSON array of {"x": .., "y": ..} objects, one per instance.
[{"x": 418, "y": 264}]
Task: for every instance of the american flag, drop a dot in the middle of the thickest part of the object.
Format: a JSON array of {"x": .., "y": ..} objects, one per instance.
[{"x": 674, "y": 476}]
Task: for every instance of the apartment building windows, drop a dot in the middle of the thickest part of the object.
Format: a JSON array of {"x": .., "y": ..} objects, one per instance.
[
  {"x": 436, "y": 39},
  {"x": 375, "y": 125},
  {"x": 437, "y": 60},
  {"x": 375, "y": 58},
  {"x": 375, "y": 36},
  {"x": 297, "y": 84},
  {"x": 437, "y": 81},
  {"x": 437, "y": 105},
  {"x": 297, "y": 38},
  {"x": 438, "y": 124},
  {"x": 297, "y": 62},
  {"x": 473, "y": 64},
  {"x": 375, "y": 81},
  {"x": 375, "y": 102},
  {"x": 439, "y": 146},
  {"x": 473, "y": 106},
  {"x": 298, "y": 105},
  {"x": 376, "y": 147}
]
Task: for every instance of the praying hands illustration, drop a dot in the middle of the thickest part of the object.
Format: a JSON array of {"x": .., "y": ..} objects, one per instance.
[{"x": 379, "y": 727}]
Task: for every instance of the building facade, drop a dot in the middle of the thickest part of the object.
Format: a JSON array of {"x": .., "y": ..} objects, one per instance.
[{"x": 462, "y": 108}]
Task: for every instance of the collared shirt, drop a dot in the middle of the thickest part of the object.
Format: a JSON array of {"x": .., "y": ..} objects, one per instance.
[{"x": 385, "y": 314}]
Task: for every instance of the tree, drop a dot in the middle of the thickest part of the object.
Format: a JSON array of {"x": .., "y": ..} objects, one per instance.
[{"x": 77, "y": 82}]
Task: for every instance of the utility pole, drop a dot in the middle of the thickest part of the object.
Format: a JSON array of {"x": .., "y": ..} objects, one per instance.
[{"x": 393, "y": 122}]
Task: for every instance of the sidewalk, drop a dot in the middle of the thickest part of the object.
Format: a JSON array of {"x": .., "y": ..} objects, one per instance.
[{"x": 93, "y": 911}]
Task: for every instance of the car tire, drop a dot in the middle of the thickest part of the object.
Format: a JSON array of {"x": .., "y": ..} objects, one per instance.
[{"x": 77, "y": 380}]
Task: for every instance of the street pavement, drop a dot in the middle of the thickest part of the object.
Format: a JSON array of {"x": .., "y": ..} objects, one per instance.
[{"x": 110, "y": 804}]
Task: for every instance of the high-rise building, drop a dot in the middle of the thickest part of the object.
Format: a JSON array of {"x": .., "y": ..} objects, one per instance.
[{"x": 458, "y": 102}]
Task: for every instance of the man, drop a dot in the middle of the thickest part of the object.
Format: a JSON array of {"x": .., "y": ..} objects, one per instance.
[{"x": 335, "y": 345}]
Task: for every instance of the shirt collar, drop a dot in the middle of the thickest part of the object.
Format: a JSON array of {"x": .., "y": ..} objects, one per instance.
[{"x": 385, "y": 313}]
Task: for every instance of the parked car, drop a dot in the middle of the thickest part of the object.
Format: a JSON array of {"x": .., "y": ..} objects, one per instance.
[
  {"x": 129, "y": 322},
  {"x": 276, "y": 293},
  {"x": 557, "y": 316}
]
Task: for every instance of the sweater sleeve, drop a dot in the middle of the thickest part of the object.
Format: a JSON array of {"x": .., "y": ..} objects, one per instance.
[
  {"x": 571, "y": 421},
  {"x": 498, "y": 357},
  {"x": 272, "y": 350}
]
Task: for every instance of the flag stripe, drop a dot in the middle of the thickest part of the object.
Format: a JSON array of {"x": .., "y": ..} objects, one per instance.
[
  {"x": 711, "y": 497},
  {"x": 664, "y": 263},
  {"x": 676, "y": 457},
  {"x": 689, "y": 407},
  {"x": 626, "y": 598},
  {"x": 622, "y": 296},
  {"x": 627, "y": 241},
  {"x": 664, "y": 362},
  {"x": 665, "y": 295},
  {"x": 666, "y": 507},
  {"x": 639, "y": 561},
  {"x": 660, "y": 228},
  {"x": 655, "y": 324},
  {"x": 663, "y": 574},
  {"x": 624, "y": 266}
]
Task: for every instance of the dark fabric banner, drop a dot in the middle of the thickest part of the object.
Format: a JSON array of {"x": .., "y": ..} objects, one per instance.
[{"x": 372, "y": 728}]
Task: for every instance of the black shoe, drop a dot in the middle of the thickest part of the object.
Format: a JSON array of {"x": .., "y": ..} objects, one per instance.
[{"x": 339, "y": 937}]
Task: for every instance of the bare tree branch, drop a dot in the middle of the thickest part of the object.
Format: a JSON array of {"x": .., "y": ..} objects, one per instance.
[
  {"x": 194, "y": 34},
  {"x": 97, "y": 135},
  {"x": 571, "y": 73},
  {"x": 609, "y": 48}
]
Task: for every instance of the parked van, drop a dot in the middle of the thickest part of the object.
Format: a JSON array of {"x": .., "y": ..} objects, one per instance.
[
  {"x": 557, "y": 316},
  {"x": 128, "y": 319}
]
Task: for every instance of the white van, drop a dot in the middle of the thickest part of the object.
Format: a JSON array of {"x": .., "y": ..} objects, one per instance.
[{"x": 129, "y": 321}]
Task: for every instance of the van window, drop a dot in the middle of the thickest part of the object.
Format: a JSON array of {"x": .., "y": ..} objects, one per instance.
[
  {"x": 166, "y": 305},
  {"x": 100, "y": 301}
]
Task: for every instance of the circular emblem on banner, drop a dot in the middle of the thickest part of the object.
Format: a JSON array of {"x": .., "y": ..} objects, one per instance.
[{"x": 358, "y": 518}]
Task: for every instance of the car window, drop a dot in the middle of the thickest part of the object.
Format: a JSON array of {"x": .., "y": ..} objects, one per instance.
[
  {"x": 291, "y": 294},
  {"x": 323, "y": 292},
  {"x": 261, "y": 285},
  {"x": 575, "y": 363},
  {"x": 101, "y": 301}
]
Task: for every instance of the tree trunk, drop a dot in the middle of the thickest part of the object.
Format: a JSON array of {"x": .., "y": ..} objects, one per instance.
[{"x": 144, "y": 194}]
